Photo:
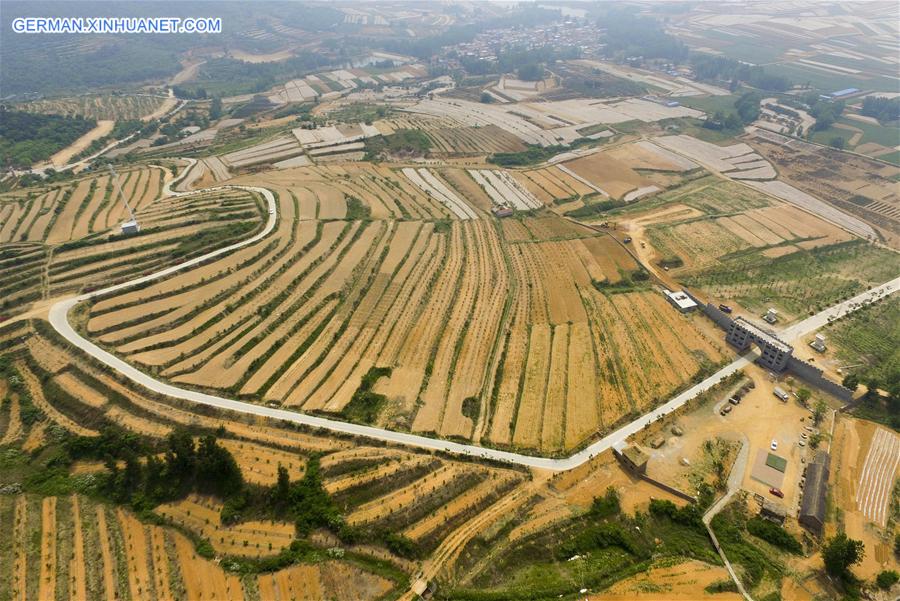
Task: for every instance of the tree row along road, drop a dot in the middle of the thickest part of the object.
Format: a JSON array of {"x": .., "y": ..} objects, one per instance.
[{"x": 59, "y": 320}]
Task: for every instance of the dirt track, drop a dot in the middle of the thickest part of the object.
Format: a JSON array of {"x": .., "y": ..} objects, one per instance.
[{"x": 62, "y": 157}]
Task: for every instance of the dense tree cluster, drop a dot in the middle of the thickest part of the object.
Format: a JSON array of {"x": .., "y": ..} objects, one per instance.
[
  {"x": 28, "y": 138},
  {"x": 720, "y": 68},
  {"x": 775, "y": 534},
  {"x": 137, "y": 476},
  {"x": 305, "y": 501},
  {"x": 228, "y": 76},
  {"x": 631, "y": 35},
  {"x": 403, "y": 142},
  {"x": 883, "y": 109},
  {"x": 825, "y": 111}
]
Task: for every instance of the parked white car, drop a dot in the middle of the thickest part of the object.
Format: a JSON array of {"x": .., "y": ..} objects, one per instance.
[{"x": 774, "y": 445}]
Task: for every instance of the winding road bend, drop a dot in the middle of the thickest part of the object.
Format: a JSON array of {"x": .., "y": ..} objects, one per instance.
[{"x": 59, "y": 320}]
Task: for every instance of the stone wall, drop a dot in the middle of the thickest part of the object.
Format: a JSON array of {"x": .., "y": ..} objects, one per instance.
[{"x": 813, "y": 375}]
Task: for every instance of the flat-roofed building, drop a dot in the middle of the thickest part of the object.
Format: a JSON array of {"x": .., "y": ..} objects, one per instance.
[
  {"x": 632, "y": 456},
  {"x": 775, "y": 512},
  {"x": 680, "y": 300}
]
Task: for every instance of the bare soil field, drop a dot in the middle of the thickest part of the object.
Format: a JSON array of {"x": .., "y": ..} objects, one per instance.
[
  {"x": 249, "y": 538},
  {"x": 856, "y": 487},
  {"x": 615, "y": 177},
  {"x": 862, "y": 187},
  {"x": 62, "y": 157},
  {"x": 442, "y": 505},
  {"x": 711, "y": 234},
  {"x": 386, "y": 485},
  {"x": 684, "y": 581},
  {"x": 647, "y": 155},
  {"x": 58, "y": 259}
]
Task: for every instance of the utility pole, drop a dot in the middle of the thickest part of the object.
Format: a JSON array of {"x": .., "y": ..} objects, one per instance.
[{"x": 131, "y": 226}]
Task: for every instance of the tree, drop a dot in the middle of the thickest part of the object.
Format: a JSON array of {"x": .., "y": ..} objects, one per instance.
[
  {"x": 181, "y": 458},
  {"x": 531, "y": 72},
  {"x": 733, "y": 122},
  {"x": 819, "y": 411},
  {"x": 154, "y": 477},
  {"x": 748, "y": 106},
  {"x": 282, "y": 486},
  {"x": 215, "y": 108},
  {"x": 837, "y": 142},
  {"x": 217, "y": 471},
  {"x": 803, "y": 396},
  {"x": 851, "y": 381},
  {"x": 886, "y": 579},
  {"x": 840, "y": 553}
]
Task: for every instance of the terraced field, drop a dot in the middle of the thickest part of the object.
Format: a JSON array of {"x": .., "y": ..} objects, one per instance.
[
  {"x": 453, "y": 138},
  {"x": 76, "y": 209},
  {"x": 88, "y": 549},
  {"x": 67, "y": 238},
  {"x": 739, "y": 245},
  {"x": 389, "y": 297},
  {"x": 111, "y": 107}
]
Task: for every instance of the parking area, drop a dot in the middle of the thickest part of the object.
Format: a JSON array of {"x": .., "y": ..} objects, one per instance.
[
  {"x": 765, "y": 419},
  {"x": 758, "y": 420}
]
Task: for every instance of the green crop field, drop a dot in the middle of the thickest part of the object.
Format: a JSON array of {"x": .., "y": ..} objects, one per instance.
[
  {"x": 886, "y": 135},
  {"x": 870, "y": 336},
  {"x": 802, "y": 282}
]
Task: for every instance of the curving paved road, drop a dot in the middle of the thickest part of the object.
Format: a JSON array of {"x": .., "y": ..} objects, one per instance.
[{"x": 59, "y": 320}]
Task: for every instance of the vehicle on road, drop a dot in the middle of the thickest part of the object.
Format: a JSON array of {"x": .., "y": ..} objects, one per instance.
[{"x": 725, "y": 309}]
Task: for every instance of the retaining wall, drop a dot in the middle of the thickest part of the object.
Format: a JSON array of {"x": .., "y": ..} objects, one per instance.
[{"x": 670, "y": 489}]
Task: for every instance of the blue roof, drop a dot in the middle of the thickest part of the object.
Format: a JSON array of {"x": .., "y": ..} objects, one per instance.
[{"x": 845, "y": 92}]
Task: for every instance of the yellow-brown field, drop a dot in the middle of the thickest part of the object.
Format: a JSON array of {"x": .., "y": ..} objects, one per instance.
[
  {"x": 470, "y": 316},
  {"x": 67, "y": 239}
]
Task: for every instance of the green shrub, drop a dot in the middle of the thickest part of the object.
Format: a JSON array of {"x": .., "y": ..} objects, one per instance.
[
  {"x": 721, "y": 586},
  {"x": 607, "y": 505},
  {"x": 357, "y": 210},
  {"x": 471, "y": 406},
  {"x": 403, "y": 142},
  {"x": 365, "y": 405},
  {"x": 774, "y": 534},
  {"x": 401, "y": 546},
  {"x": 886, "y": 579}
]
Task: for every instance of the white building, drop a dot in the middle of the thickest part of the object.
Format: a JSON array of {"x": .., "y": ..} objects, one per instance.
[
  {"x": 130, "y": 227},
  {"x": 818, "y": 343},
  {"x": 680, "y": 300}
]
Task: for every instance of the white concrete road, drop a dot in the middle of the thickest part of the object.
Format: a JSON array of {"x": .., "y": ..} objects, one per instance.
[{"x": 59, "y": 313}]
